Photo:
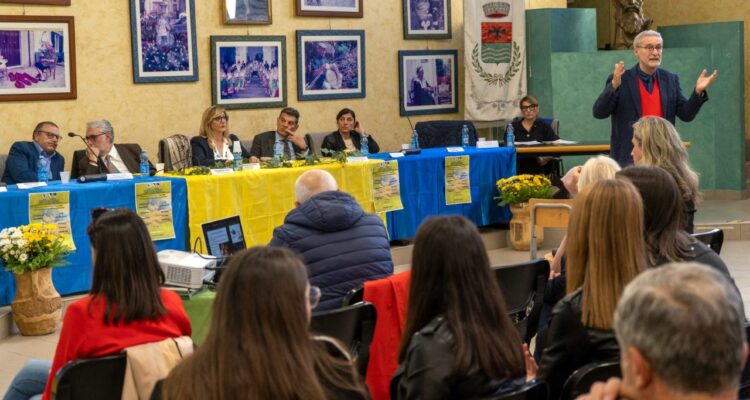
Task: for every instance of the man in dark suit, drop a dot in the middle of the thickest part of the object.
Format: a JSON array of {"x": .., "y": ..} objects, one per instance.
[
  {"x": 103, "y": 156},
  {"x": 292, "y": 143},
  {"x": 21, "y": 165},
  {"x": 645, "y": 90}
]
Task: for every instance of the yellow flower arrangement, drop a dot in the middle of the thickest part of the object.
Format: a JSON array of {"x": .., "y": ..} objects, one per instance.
[
  {"x": 520, "y": 188},
  {"x": 32, "y": 247}
]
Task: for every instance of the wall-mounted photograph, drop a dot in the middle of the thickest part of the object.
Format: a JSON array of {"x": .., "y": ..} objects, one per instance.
[
  {"x": 37, "y": 58},
  {"x": 248, "y": 71},
  {"x": 427, "y": 19},
  {"x": 329, "y": 8},
  {"x": 163, "y": 39},
  {"x": 45, "y": 2},
  {"x": 247, "y": 12},
  {"x": 428, "y": 81},
  {"x": 330, "y": 64}
]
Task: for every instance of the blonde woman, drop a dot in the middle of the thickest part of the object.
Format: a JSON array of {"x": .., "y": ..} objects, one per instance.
[
  {"x": 657, "y": 143},
  {"x": 214, "y": 142}
]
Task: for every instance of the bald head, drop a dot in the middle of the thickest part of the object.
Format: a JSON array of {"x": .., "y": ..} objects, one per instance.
[{"x": 313, "y": 182}]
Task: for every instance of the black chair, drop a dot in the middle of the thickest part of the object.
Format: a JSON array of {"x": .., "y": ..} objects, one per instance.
[
  {"x": 91, "y": 378},
  {"x": 581, "y": 380},
  {"x": 523, "y": 288},
  {"x": 713, "y": 239},
  {"x": 353, "y": 325},
  {"x": 444, "y": 133},
  {"x": 534, "y": 390},
  {"x": 745, "y": 377},
  {"x": 354, "y": 296}
]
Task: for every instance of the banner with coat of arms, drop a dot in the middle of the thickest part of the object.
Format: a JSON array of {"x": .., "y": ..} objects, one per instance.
[{"x": 495, "y": 58}]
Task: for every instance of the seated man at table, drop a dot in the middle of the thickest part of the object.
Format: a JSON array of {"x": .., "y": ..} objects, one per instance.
[
  {"x": 292, "y": 143},
  {"x": 103, "y": 156},
  {"x": 23, "y": 158},
  {"x": 342, "y": 245}
]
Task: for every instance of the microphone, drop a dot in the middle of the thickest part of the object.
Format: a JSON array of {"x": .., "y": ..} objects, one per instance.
[{"x": 99, "y": 162}]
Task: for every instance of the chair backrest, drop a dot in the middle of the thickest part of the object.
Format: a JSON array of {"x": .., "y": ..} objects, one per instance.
[
  {"x": 534, "y": 390},
  {"x": 444, "y": 133},
  {"x": 3, "y": 158},
  {"x": 353, "y": 325},
  {"x": 713, "y": 239},
  {"x": 92, "y": 378},
  {"x": 175, "y": 152},
  {"x": 523, "y": 289},
  {"x": 353, "y": 296},
  {"x": 316, "y": 139},
  {"x": 547, "y": 213},
  {"x": 580, "y": 381}
]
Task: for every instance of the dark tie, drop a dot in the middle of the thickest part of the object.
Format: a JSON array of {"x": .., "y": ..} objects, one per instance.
[{"x": 287, "y": 152}]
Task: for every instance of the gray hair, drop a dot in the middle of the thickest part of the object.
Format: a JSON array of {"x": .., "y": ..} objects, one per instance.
[
  {"x": 688, "y": 322},
  {"x": 104, "y": 125},
  {"x": 647, "y": 33},
  {"x": 313, "y": 182},
  {"x": 596, "y": 169}
]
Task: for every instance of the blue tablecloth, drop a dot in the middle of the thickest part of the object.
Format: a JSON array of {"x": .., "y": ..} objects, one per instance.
[
  {"x": 76, "y": 276},
  {"x": 422, "y": 179}
]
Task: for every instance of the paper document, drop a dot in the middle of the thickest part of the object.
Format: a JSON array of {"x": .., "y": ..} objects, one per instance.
[
  {"x": 529, "y": 143},
  {"x": 561, "y": 141}
]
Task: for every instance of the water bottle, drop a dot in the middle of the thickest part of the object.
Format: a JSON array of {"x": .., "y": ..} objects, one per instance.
[
  {"x": 364, "y": 145},
  {"x": 278, "y": 149},
  {"x": 237, "y": 152},
  {"x": 144, "y": 167},
  {"x": 415, "y": 140},
  {"x": 510, "y": 138},
  {"x": 41, "y": 169},
  {"x": 465, "y": 136}
]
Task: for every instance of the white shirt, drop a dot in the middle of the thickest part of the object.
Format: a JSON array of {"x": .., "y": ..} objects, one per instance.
[{"x": 117, "y": 160}]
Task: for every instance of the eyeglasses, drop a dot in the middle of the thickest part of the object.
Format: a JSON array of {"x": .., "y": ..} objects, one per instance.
[
  {"x": 51, "y": 135},
  {"x": 313, "y": 296},
  {"x": 91, "y": 138},
  {"x": 98, "y": 212},
  {"x": 529, "y": 107},
  {"x": 651, "y": 48},
  {"x": 220, "y": 118}
]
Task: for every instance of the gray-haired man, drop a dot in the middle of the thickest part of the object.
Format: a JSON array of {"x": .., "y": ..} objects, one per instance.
[{"x": 103, "y": 155}]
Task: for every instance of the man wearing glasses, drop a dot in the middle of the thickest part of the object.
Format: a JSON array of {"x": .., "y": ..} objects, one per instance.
[
  {"x": 646, "y": 90},
  {"x": 21, "y": 165},
  {"x": 103, "y": 156}
]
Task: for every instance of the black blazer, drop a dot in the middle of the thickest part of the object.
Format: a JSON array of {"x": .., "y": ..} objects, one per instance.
[
  {"x": 204, "y": 156},
  {"x": 335, "y": 142},
  {"x": 263, "y": 145},
  {"x": 129, "y": 152}
]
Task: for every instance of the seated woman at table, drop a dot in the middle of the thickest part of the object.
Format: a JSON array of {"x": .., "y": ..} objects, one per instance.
[
  {"x": 126, "y": 305},
  {"x": 214, "y": 142},
  {"x": 529, "y": 128},
  {"x": 349, "y": 135},
  {"x": 259, "y": 345}
]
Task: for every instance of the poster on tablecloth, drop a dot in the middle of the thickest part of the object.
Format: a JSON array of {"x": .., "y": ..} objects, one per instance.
[
  {"x": 386, "y": 187},
  {"x": 457, "y": 184},
  {"x": 52, "y": 208},
  {"x": 153, "y": 202}
]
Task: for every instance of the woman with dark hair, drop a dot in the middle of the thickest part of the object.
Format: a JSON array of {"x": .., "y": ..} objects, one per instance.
[
  {"x": 349, "y": 135},
  {"x": 126, "y": 305},
  {"x": 529, "y": 128},
  {"x": 259, "y": 345},
  {"x": 459, "y": 342}
]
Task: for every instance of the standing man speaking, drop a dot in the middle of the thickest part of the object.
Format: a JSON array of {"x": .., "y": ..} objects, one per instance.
[{"x": 645, "y": 90}]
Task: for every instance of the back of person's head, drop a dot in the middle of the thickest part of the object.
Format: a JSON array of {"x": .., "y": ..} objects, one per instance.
[
  {"x": 127, "y": 275},
  {"x": 663, "y": 211},
  {"x": 596, "y": 169},
  {"x": 687, "y": 321},
  {"x": 451, "y": 276},
  {"x": 208, "y": 116},
  {"x": 605, "y": 247},
  {"x": 313, "y": 182}
]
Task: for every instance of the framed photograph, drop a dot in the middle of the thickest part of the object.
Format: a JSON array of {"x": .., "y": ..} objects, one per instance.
[
  {"x": 247, "y": 12},
  {"x": 163, "y": 39},
  {"x": 37, "y": 58},
  {"x": 248, "y": 71},
  {"x": 427, "y": 19},
  {"x": 330, "y": 65},
  {"x": 329, "y": 8},
  {"x": 47, "y": 2},
  {"x": 428, "y": 81}
]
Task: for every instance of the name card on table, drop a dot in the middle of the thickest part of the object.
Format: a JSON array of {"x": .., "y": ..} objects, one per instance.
[
  {"x": 222, "y": 171},
  {"x": 488, "y": 144},
  {"x": 250, "y": 166},
  {"x": 3, "y": 189},
  {"x": 454, "y": 149},
  {"x": 31, "y": 185},
  {"x": 357, "y": 159},
  {"x": 120, "y": 176},
  {"x": 396, "y": 155}
]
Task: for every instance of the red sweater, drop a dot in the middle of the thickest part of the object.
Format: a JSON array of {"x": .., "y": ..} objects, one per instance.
[{"x": 85, "y": 335}]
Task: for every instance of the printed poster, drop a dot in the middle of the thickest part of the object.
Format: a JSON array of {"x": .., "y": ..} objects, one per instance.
[
  {"x": 386, "y": 187},
  {"x": 457, "y": 183},
  {"x": 153, "y": 202},
  {"x": 52, "y": 208}
]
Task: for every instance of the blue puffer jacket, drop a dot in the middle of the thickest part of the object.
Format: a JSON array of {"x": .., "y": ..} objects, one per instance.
[{"x": 341, "y": 244}]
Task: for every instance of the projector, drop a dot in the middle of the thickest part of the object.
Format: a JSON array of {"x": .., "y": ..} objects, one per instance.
[{"x": 185, "y": 269}]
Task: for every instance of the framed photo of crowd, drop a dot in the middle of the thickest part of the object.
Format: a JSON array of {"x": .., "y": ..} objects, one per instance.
[
  {"x": 329, "y": 8},
  {"x": 248, "y": 71},
  {"x": 427, "y": 19},
  {"x": 247, "y": 12},
  {"x": 163, "y": 39},
  {"x": 37, "y": 58},
  {"x": 330, "y": 64},
  {"x": 428, "y": 81}
]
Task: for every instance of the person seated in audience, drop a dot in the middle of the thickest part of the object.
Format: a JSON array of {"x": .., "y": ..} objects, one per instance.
[
  {"x": 126, "y": 305},
  {"x": 103, "y": 156},
  {"x": 349, "y": 135},
  {"x": 342, "y": 245},
  {"x": 681, "y": 330},
  {"x": 656, "y": 142},
  {"x": 605, "y": 251},
  {"x": 214, "y": 142},
  {"x": 292, "y": 143},
  {"x": 459, "y": 342},
  {"x": 529, "y": 128},
  {"x": 23, "y": 157},
  {"x": 259, "y": 345}
]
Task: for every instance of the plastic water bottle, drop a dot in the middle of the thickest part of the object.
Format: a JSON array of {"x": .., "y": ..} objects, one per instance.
[
  {"x": 41, "y": 169},
  {"x": 364, "y": 145},
  {"x": 510, "y": 138},
  {"x": 144, "y": 167},
  {"x": 278, "y": 149},
  {"x": 415, "y": 140},
  {"x": 237, "y": 152},
  {"x": 465, "y": 136}
]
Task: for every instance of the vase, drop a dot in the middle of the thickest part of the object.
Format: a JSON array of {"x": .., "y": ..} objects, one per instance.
[
  {"x": 37, "y": 307},
  {"x": 520, "y": 228}
]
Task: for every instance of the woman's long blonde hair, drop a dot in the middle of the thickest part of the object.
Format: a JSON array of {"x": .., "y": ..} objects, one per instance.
[{"x": 208, "y": 116}]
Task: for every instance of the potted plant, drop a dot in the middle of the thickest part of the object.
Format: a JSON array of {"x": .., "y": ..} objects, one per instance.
[
  {"x": 516, "y": 191},
  {"x": 30, "y": 252}
]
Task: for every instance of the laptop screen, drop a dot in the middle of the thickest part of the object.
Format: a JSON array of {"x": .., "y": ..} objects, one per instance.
[{"x": 224, "y": 236}]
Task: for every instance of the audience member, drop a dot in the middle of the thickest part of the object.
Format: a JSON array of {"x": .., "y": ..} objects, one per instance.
[
  {"x": 459, "y": 342},
  {"x": 341, "y": 244},
  {"x": 103, "y": 156},
  {"x": 681, "y": 330},
  {"x": 291, "y": 143},
  {"x": 214, "y": 142},
  {"x": 530, "y": 128},
  {"x": 259, "y": 345},
  {"x": 23, "y": 158},
  {"x": 349, "y": 135}
]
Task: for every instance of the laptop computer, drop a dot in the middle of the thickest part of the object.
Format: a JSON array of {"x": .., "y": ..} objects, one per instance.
[{"x": 224, "y": 237}]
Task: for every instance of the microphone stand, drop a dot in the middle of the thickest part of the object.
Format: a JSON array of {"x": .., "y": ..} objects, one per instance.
[{"x": 99, "y": 162}]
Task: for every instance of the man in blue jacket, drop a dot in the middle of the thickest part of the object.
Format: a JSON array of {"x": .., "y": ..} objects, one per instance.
[
  {"x": 21, "y": 165},
  {"x": 341, "y": 244}
]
